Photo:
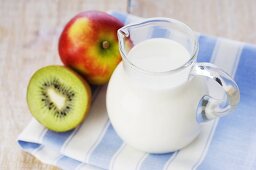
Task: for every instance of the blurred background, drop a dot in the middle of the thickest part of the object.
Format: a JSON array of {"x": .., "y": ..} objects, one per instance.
[
  {"x": 29, "y": 32},
  {"x": 234, "y": 19}
]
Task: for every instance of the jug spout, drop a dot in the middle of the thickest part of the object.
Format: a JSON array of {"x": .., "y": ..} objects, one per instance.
[
  {"x": 122, "y": 32},
  {"x": 125, "y": 43}
]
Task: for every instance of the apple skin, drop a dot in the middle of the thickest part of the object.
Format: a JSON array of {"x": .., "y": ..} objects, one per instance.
[{"x": 89, "y": 45}]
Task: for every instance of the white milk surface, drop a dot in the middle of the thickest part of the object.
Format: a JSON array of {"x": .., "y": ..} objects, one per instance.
[{"x": 158, "y": 55}]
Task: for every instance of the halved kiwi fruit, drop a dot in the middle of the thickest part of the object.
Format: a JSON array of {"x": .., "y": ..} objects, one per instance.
[{"x": 58, "y": 98}]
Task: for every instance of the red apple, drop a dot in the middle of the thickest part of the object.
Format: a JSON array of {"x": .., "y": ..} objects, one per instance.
[{"x": 89, "y": 45}]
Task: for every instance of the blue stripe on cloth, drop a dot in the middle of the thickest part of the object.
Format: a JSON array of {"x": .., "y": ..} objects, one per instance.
[
  {"x": 155, "y": 161},
  {"x": 55, "y": 140},
  {"x": 234, "y": 142},
  {"x": 28, "y": 146},
  {"x": 120, "y": 16},
  {"x": 105, "y": 150},
  {"x": 67, "y": 163},
  {"x": 206, "y": 47}
]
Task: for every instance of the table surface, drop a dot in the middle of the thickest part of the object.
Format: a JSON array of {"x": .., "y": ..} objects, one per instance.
[{"x": 29, "y": 31}]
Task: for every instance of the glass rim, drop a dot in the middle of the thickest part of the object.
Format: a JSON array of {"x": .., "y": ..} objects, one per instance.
[{"x": 122, "y": 33}]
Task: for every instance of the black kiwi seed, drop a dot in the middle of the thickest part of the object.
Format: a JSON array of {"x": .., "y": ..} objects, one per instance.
[{"x": 56, "y": 86}]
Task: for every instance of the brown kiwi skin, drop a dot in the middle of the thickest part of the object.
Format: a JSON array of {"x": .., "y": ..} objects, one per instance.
[{"x": 88, "y": 89}]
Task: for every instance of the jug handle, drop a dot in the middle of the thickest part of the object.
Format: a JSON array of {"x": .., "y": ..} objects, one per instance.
[{"x": 210, "y": 108}]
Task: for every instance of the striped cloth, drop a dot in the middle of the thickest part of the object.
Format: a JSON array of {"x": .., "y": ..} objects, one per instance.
[{"x": 228, "y": 143}]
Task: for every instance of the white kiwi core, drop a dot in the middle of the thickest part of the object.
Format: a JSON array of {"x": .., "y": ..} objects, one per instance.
[{"x": 58, "y": 99}]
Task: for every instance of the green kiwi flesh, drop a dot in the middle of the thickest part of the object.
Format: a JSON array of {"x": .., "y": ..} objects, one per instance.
[{"x": 58, "y": 98}]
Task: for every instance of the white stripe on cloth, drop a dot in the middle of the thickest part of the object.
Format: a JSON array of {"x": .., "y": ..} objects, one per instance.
[
  {"x": 228, "y": 55},
  {"x": 87, "y": 167},
  {"x": 47, "y": 155},
  {"x": 225, "y": 55},
  {"x": 120, "y": 161},
  {"x": 35, "y": 130},
  {"x": 86, "y": 138}
]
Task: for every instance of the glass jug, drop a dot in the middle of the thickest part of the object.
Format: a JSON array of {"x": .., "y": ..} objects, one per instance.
[{"x": 161, "y": 111}]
